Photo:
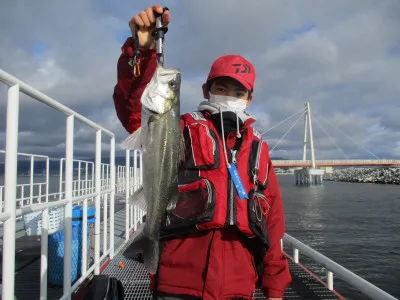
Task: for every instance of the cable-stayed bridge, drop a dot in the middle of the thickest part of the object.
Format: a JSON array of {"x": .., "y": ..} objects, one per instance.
[
  {"x": 313, "y": 163},
  {"x": 337, "y": 163}
]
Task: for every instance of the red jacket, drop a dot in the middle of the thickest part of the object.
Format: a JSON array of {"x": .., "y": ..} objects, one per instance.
[{"x": 211, "y": 264}]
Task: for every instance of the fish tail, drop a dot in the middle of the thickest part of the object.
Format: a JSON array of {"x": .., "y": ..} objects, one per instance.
[
  {"x": 144, "y": 250},
  {"x": 137, "y": 245},
  {"x": 151, "y": 256}
]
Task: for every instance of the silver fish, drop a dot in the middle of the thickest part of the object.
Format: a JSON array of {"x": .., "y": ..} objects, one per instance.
[{"x": 159, "y": 138}]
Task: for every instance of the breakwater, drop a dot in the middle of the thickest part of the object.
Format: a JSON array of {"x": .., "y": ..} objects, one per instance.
[{"x": 365, "y": 175}]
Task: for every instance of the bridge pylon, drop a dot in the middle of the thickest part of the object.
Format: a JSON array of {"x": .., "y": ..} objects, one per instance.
[{"x": 308, "y": 175}]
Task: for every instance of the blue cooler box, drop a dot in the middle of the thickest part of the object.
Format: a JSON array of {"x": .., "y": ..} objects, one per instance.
[{"x": 56, "y": 248}]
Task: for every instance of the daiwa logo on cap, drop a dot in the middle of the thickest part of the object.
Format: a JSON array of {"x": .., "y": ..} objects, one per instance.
[{"x": 246, "y": 68}]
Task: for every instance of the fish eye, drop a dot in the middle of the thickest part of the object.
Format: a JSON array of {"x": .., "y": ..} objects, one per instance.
[{"x": 173, "y": 84}]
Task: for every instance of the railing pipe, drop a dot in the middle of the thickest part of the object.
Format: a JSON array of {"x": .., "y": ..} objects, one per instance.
[
  {"x": 356, "y": 281},
  {"x": 39, "y": 96},
  {"x": 31, "y": 181},
  {"x": 10, "y": 184},
  {"x": 98, "y": 190},
  {"x": 112, "y": 195},
  {"x": 69, "y": 157},
  {"x": 127, "y": 190}
]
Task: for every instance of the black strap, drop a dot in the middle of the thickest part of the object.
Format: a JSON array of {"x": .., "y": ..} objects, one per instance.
[
  {"x": 136, "y": 51},
  {"x": 80, "y": 218},
  {"x": 254, "y": 162}
]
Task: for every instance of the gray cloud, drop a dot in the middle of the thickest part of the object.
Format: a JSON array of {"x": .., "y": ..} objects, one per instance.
[{"x": 341, "y": 56}]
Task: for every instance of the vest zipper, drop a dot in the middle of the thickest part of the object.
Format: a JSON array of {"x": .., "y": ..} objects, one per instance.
[
  {"x": 232, "y": 154},
  {"x": 257, "y": 163},
  {"x": 232, "y": 202}
]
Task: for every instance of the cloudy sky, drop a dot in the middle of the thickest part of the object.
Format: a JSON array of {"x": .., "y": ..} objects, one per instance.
[{"x": 342, "y": 56}]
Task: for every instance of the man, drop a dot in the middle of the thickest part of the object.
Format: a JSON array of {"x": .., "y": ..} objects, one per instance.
[{"x": 231, "y": 240}]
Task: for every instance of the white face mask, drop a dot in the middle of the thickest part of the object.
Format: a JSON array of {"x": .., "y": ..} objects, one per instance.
[{"x": 228, "y": 103}]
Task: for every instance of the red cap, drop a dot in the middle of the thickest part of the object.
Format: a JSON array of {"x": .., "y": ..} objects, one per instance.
[{"x": 236, "y": 67}]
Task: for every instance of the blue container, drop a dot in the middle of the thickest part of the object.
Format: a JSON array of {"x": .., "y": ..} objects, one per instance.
[{"x": 56, "y": 248}]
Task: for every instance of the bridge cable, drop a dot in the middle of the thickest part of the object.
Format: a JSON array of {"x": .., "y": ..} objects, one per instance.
[
  {"x": 332, "y": 140},
  {"x": 347, "y": 136},
  {"x": 302, "y": 110},
  {"x": 287, "y": 131}
]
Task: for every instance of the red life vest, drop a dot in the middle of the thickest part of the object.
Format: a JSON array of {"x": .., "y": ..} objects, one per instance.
[{"x": 207, "y": 195}]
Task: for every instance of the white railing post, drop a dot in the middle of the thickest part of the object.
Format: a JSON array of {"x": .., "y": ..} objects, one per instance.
[
  {"x": 61, "y": 177},
  {"x": 44, "y": 255},
  {"x": 86, "y": 179},
  {"x": 93, "y": 180},
  {"x": 31, "y": 181},
  {"x": 296, "y": 255},
  {"x": 10, "y": 192},
  {"x": 22, "y": 194},
  {"x": 329, "y": 280},
  {"x": 79, "y": 179},
  {"x": 1, "y": 199},
  {"x": 105, "y": 199},
  {"x": 103, "y": 167},
  {"x": 69, "y": 157},
  {"x": 44, "y": 240},
  {"x": 47, "y": 178},
  {"x": 112, "y": 196},
  {"x": 39, "y": 198},
  {"x": 97, "y": 191},
  {"x": 84, "y": 237},
  {"x": 87, "y": 184},
  {"x": 127, "y": 190},
  {"x": 135, "y": 182},
  {"x": 108, "y": 177},
  {"x": 141, "y": 213}
]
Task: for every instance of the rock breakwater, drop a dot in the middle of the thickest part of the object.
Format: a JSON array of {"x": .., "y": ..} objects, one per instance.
[{"x": 365, "y": 175}]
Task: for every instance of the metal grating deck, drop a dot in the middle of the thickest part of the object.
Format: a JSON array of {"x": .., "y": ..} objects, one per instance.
[
  {"x": 134, "y": 276},
  {"x": 27, "y": 275},
  {"x": 136, "y": 281}
]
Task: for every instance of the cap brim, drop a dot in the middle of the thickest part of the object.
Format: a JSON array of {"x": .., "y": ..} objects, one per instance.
[{"x": 238, "y": 78}]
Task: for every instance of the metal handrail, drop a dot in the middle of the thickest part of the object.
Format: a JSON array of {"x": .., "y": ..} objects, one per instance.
[
  {"x": 41, "y": 206},
  {"x": 4, "y": 216},
  {"x": 39, "y": 96},
  {"x": 354, "y": 280},
  {"x": 16, "y": 87}
]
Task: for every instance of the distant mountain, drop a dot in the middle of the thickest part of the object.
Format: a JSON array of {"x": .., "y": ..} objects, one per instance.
[{"x": 24, "y": 166}]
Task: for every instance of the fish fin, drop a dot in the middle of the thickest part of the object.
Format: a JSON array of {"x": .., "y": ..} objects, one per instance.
[
  {"x": 137, "y": 198},
  {"x": 182, "y": 149},
  {"x": 151, "y": 256},
  {"x": 133, "y": 141},
  {"x": 144, "y": 250},
  {"x": 136, "y": 247}
]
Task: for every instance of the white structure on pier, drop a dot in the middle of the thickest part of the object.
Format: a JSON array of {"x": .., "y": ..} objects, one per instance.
[{"x": 308, "y": 176}]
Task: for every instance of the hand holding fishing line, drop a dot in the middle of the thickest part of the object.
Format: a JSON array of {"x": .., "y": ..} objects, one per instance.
[
  {"x": 145, "y": 21},
  {"x": 148, "y": 29}
]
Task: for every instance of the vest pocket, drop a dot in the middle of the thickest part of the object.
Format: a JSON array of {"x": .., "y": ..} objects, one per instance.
[
  {"x": 258, "y": 209},
  {"x": 202, "y": 147},
  {"x": 196, "y": 204}
]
